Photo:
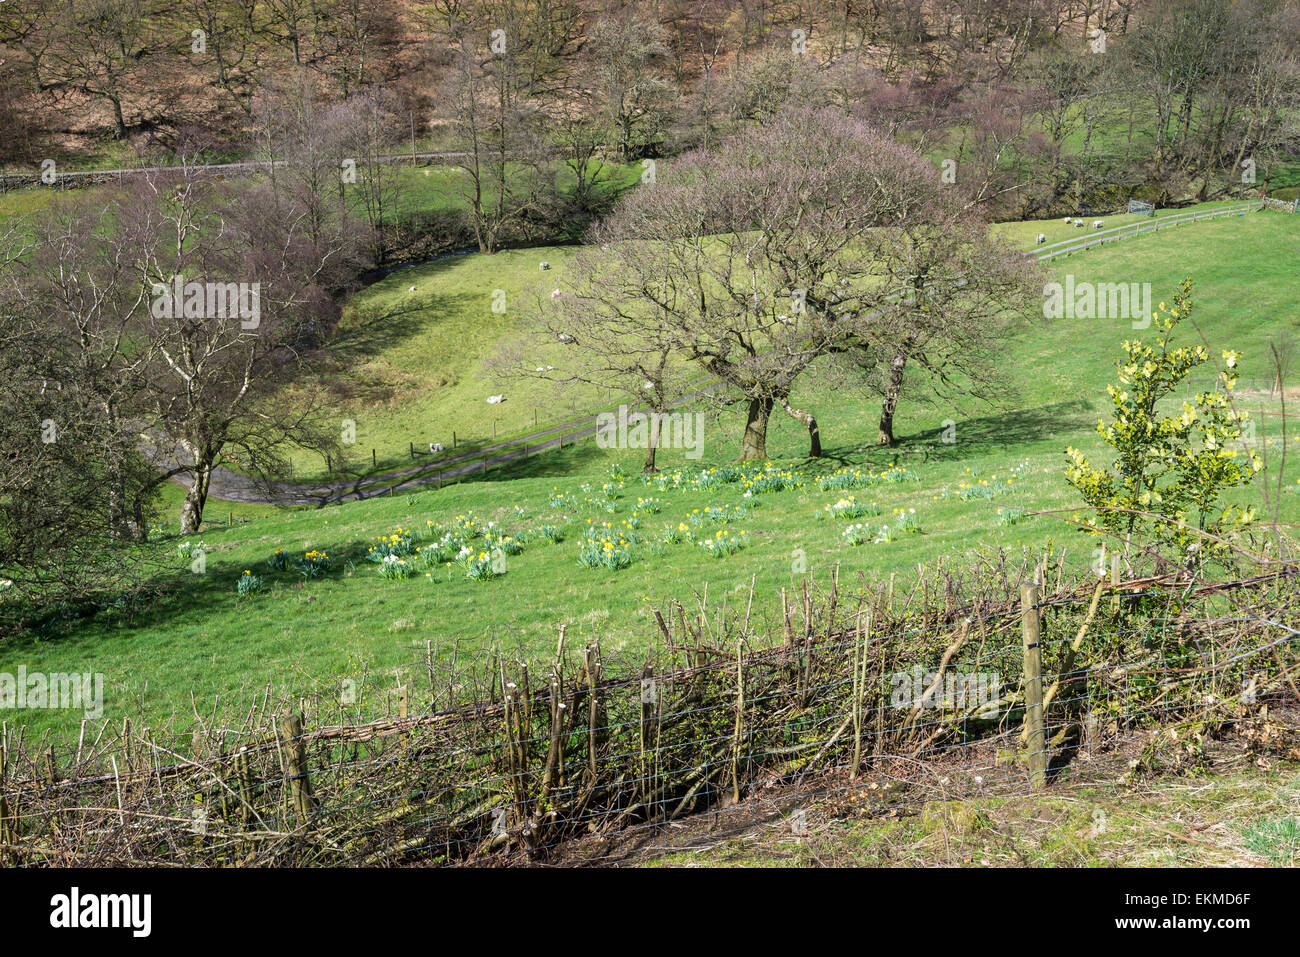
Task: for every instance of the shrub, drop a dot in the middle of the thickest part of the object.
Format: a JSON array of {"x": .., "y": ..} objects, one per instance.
[{"x": 1169, "y": 471}]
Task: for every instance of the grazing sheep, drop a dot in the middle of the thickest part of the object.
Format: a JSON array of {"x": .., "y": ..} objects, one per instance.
[
  {"x": 412, "y": 289},
  {"x": 565, "y": 337},
  {"x": 435, "y": 446},
  {"x": 543, "y": 265},
  {"x": 495, "y": 399},
  {"x": 555, "y": 294},
  {"x": 1079, "y": 223},
  {"x": 1098, "y": 224},
  {"x": 1041, "y": 239},
  {"x": 1067, "y": 220}
]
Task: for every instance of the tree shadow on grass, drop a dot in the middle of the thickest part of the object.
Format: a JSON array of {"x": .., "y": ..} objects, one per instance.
[
  {"x": 174, "y": 592},
  {"x": 998, "y": 432},
  {"x": 375, "y": 328}
]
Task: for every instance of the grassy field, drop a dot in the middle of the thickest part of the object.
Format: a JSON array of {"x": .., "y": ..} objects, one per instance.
[
  {"x": 303, "y": 634},
  {"x": 412, "y": 356}
]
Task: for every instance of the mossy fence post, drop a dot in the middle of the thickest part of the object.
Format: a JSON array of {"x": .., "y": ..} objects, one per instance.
[
  {"x": 302, "y": 803},
  {"x": 1033, "y": 683}
]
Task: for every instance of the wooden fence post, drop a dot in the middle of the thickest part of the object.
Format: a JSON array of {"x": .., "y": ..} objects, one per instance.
[
  {"x": 295, "y": 762},
  {"x": 1033, "y": 685},
  {"x": 1114, "y": 582},
  {"x": 6, "y": 835},
  {"x": 648, "y": 738},
  {"x": 244, "y": 778},
  {"x": 595, "y": 718},
  {"x": 740, "y": 720}
]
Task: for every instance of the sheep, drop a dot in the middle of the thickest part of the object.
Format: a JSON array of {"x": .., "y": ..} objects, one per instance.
[
  {"x": 555, "y": 294},
  {"x": 1041, "y": 239},
  {"x": 565, "y": 337},
  {"x": 1097, "y": 224},
  {"x": 435, "y": 447},
  {"x": 1067, "y": 220},
  {"x": 543, "y": 265},
  {"x": 1078, "y": 223},
  {"x": 495, "y": 399},
  {"x": 412, "y": 289}
]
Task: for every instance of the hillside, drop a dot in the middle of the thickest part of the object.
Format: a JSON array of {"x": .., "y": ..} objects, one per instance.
[{"x": 305, "y": 635}]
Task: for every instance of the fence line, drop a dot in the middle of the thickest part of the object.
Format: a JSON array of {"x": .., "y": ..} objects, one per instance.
[{"x": 542, "y": 759}]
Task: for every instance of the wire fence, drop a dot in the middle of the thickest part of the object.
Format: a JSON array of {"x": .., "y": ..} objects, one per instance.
[{"x": 845, "y": 690}]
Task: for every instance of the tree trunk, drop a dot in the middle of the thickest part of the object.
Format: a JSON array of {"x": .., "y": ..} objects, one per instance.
[
  {"x": 892, "y": 390},
  {"x": 197, "y": 496},
  {"x": 755, "y": 447},
  {"x": 814, "y": 433}
]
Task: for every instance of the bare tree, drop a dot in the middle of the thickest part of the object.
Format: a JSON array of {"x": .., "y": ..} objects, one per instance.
[
  {"x": 217, "y": 377},
  {"x": 508, "y": 182},
  {"x": 626, "y": 54},
  {"x": 958, "y": 296},
  {"x": 103, "y": 51},
  {"x": 758, "y": 258},
  {"x": 595, "y": 345}
]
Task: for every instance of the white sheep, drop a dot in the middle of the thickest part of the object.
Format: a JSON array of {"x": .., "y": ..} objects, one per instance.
[
  {"x": 412, "y": 289},
  {"x": 1079, "y": 223},
  {"x": 1041, "y": 239},
  {"x": 1098, "y": 224},
  {"x": 565, "y": 337},
  {"x": 435, "y": 446},
  {"x": 555, "y": 294},
  {"x": 495, "y": 399},
  {"x": 1067, "y": 220},
  {"x": 543, "y": 265}
]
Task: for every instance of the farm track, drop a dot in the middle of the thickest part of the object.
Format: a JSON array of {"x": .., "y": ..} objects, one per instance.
[{"x": 232, "y": 486}]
